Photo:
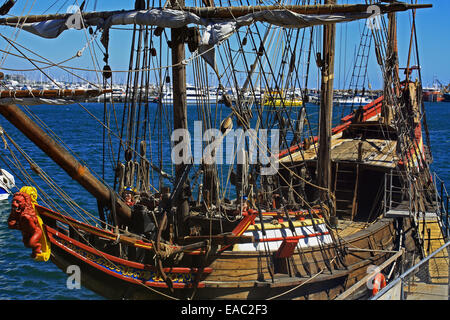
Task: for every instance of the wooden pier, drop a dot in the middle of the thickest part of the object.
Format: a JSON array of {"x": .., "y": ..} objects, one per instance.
[
  {"x": 432, "y": 281},
  {"x": 429, "y": 278}
]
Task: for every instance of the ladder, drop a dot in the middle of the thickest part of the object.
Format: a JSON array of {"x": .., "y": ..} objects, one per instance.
[{"x": 359, "y": 73}]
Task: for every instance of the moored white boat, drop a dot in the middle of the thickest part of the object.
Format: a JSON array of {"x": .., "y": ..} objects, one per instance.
[
  {"x": 353, "y": 101},
  {"x": 193, "y": 96},
  {"x": 6, "y": 184}
]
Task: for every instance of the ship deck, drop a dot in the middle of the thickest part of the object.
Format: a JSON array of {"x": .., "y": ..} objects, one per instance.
[
  {"x": 347, "y": 228},
  {"x": 435, "y": 285},
  {"x": 373, "y": 152}
]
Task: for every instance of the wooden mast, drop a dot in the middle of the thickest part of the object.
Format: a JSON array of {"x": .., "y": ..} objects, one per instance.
[
  {"x": 325, "y": 116},
  {"x": 393, "y": 36},
  {"x": 392, "y": 74},
  {"x": 179, "y": 122},
  {"x": 179, "y": 107},
  {"x": 210, "y": 179},
  {"x": 64, "y": 159}
]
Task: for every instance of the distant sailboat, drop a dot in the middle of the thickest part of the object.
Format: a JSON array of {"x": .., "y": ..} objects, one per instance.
[{"x": 6, "y": 184}]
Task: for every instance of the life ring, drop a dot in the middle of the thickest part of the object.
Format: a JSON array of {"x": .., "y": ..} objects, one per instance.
[{"x": 379, "y": 282}]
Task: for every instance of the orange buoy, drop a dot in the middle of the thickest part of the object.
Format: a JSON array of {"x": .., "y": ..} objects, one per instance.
[{"x": 379, "y": 282}]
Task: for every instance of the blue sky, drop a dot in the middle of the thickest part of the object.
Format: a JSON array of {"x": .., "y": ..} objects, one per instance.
[{"x": 433, "y": 26}]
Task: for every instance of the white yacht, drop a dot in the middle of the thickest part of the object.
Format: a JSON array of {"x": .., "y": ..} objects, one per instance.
[
  {"x": 6, "y": 184},
  {"x": 352, "y": 100},
  {"x": 193, "y": 96}
]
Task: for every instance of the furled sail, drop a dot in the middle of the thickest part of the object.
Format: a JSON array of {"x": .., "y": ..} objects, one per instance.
[
  {"x": 168, "y": 18},
  {"x": 215, "y": 32},
  {"x": 218, "y": 31}
]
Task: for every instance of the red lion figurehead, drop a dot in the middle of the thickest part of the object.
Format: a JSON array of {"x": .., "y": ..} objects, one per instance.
[
  {"x": 21, "y": 201},
  {"x": 23, "y": 217},
  {"x": 21, "y": 204}
]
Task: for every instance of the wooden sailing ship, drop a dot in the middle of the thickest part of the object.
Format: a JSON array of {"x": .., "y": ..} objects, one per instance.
[{"x": 343, "y": 200}]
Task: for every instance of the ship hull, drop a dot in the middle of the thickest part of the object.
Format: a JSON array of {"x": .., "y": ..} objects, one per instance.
[
  {"x": 433, "y": 96},
  {"x": 446, "y": 97},
  {"x": 298, "y": 261},
  {"x": 231, "y": 274}
]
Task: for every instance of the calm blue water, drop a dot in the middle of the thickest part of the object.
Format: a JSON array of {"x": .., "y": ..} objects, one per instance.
[{"x": 23, "y": 278}]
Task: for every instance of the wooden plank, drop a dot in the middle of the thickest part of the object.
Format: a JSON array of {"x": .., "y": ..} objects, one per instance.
[{"x": 355, "y": 194}]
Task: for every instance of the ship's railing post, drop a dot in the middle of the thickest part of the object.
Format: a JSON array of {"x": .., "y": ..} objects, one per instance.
[
  {"x": 390, "y": 190},
  {"x": 385, "y": 192},
  {"x": 436, "y": 192},
  {"x": 442, "y": 205},
  {"x": 446, "y": 221}
]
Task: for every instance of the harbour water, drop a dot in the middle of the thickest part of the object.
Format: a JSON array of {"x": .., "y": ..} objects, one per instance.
[{"x": 21, "y": 278}]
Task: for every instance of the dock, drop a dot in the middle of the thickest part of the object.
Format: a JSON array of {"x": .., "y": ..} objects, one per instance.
[
  {"x": 428, "y": 279},
  {"x": 431, "y": 282}
]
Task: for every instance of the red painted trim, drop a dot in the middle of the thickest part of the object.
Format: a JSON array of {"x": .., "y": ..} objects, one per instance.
[
  {"x": 249, "y": 218},
  {"x": 91, "y": 229},
  {"x": 370, "y": 110},
  {"x": 117, "y": 259},
  {"x": 411, "y": 154},
  {"x": 104, "y": 269},
  {"x": 81, "y": 225},
  {"x": 287, "y": 248}
]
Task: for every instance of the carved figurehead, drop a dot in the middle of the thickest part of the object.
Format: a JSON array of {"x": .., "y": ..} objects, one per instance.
[{"x": 23, "y": 217}]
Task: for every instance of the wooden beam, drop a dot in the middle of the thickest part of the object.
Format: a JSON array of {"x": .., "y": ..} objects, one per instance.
[
  {"x": 231, "y": 12},
  {"x": 328, "y": 8},
  {"x": 325, "y": 114},
  {"x": 355, "y": 193},
  {"x": 179, "y": 111}
]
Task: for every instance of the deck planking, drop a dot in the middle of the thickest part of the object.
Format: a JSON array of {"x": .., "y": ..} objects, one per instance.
[{"x": 351, "y": 150}]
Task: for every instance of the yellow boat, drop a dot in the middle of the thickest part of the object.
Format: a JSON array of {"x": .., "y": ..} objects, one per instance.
[{"x": 275, "y": 99}]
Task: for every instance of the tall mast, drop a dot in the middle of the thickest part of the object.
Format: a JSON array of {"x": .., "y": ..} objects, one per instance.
[
  {"x": 325, "y": 115},
  {"x": 179, "y": 104},
  {"x": 391, "y": 67},
  {"x": 210, "y": 179}
]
